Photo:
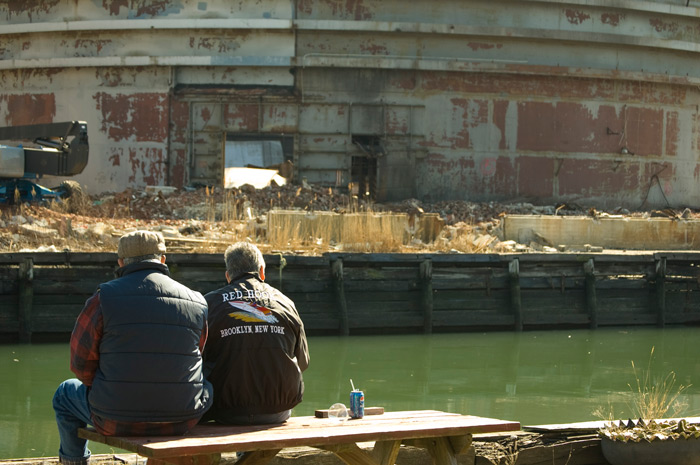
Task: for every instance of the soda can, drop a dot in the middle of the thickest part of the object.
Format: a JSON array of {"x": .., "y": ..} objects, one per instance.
[{"x": 357, "y": 404}]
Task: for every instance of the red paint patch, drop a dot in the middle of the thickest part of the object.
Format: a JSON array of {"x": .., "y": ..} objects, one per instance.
[
  {"x": 338, "y": 9},
  {"x": 108, "y": 77},
  {"x": 136, "y": 117},
  {"x": 241, "y": 117},
  {"x": 598, "y": 178},
  {"x": 356, "y": 9},
  {"x": 500, "y": 108},
  {"x": 305, "y": 6},
  {"x": 115, "y": 159},
  {"x": 488, "y": 166},
  {"x": 644, "y": 130},
  {"x": 147, "y": 166},
  {"x": 576, "y": 16},
  {"x": 154, "y": 8},
  {"x": 34, "y": 9},
  {"x": 662, "y": 26},
  {"x": 113, "y": 6},
  {"x": 535, "y": 176},
  {"x": 154, "y": 173},
  {"x": 397, "y": 123},
  {"x": 179, "y": 169},
  {"x": 228, "y": 43},
  {"x": 612, "y": 19},
  {"x": 29, "y": 108},
  {"x": 405, "y": 82},
  {"x": 278, "y": 120},
  {"x": 89, "y": 47},
  {"x": 505, "y": 180},
  {"x": 572, "y": 127},
  {"x": 657, "y": 176},
  {"x": 673, "y": 133},
  {"x": 140, "y": 8},
  {"x": 180, "y": 120},
  {"x": 205, "y": 114},
  {"x": 471, "y": 113},
  {"x": 524, "y": 85},
  {"x": 374, "y": 49},
  {"x": 651, "y": 93},
  {"x": 443, "y": 166},
  {"x": 135, "y": 163}
]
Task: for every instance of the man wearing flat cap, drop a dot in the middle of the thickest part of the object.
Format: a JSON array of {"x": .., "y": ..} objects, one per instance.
[{"x": 136, "y": 350}]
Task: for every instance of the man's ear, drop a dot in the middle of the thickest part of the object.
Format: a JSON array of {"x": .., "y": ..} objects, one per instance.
[
  {"x": 162, "y": 259},
  {"x": 228, "y": 278},
  {"x": 262, "y": 273},
  {"x": 120, "y": 262}
]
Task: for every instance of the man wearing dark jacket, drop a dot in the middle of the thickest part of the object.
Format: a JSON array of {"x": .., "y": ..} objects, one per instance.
[
  {"x": 136, "y": 350},
  {"x": 257, "y": 347}
]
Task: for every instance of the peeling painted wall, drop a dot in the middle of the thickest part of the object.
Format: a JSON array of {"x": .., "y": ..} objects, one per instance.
[{"x": 547, "y": 101}]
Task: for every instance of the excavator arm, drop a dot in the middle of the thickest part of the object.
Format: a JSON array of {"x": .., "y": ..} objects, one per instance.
[{"x": 62, "y": 150}]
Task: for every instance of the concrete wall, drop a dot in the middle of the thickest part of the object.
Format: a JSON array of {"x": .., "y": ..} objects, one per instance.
[
  {"x": 579, "y": 101},
  {"x": 574, "y": 232}
]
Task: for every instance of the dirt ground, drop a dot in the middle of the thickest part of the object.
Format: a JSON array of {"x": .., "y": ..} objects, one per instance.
[{"x": 206, "y": 220}]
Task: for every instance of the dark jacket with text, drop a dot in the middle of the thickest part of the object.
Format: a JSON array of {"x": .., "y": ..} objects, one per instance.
[{"x": 257, "y": 348}]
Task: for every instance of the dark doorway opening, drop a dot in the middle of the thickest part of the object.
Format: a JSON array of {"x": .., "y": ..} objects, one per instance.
[{"x": 363, "y": 171}]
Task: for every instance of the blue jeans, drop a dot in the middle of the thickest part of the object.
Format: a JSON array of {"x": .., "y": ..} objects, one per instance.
[{"x": 70, "y": 403}]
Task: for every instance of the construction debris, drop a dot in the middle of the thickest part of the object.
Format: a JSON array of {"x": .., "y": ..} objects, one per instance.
[{"x": 206, "y": 220}]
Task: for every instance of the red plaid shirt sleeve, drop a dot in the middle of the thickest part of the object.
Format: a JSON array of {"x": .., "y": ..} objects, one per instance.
[
  {"x": 85, "y": 356},
  {"x": 85, "y": 341}
]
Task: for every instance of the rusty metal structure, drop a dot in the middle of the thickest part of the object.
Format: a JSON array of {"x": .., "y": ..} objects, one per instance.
[{"x": 543, "y": 100}]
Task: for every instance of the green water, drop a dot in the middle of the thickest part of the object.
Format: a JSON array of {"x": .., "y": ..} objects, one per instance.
[{"x": 531, "y": 377}]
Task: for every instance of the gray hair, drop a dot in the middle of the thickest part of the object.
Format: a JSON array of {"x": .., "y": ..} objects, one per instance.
[
  {"x": 243, "y": 257},
  {"x": 142, "y": 258}
]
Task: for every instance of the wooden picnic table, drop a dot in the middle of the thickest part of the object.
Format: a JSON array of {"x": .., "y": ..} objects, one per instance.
[{"x": 444, "y": 435}]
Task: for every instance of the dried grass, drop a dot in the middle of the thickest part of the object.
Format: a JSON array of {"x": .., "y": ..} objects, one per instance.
[
  {"x": 501, "y": 452},
  {"x": 373, "y": 232},
  {"x": 651, "y": 398},
  {"x": 354, "y": 232},
  {"x": 656, "y": 398}
]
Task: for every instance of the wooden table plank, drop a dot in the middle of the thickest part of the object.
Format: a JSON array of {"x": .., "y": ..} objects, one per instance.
[{"x": 307, "y": 431}]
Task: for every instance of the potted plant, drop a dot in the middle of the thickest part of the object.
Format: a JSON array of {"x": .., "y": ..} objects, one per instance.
[{"x": 652, "y": 439}]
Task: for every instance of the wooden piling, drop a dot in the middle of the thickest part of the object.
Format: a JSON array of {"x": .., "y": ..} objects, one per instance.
[
  {"x": 26, "y": 299},
  {"x": 591, "y": 298},
  {"x": 426, "y": 277},
  {"x": 661, "y": 290},
  {"x": 337, "y": 271},
  {"x": 515, "y": 300}
]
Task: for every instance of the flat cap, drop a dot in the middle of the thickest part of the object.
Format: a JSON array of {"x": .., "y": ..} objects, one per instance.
[{"x": 140, "y": 243}]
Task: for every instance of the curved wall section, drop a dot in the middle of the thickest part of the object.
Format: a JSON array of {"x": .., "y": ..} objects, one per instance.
[{"x": 550, "y": 101}]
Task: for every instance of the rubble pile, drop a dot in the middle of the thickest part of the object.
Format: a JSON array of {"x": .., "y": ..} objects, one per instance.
[
  {"x": 206, "y": 219},
  {"x": 212, "y": 204}
]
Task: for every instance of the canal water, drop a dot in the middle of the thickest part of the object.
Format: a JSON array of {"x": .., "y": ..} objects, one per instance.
[{"x": 532, "y": 377}]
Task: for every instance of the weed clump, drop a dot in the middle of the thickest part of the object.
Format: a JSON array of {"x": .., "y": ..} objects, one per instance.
[{"x": 652, "y": 401}]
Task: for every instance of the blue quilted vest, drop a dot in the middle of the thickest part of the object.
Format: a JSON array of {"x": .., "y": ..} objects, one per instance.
[{"x": 150, "y": 367}]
